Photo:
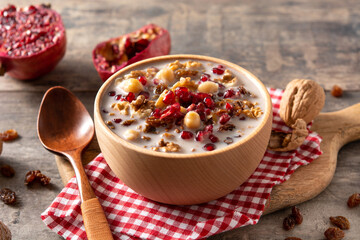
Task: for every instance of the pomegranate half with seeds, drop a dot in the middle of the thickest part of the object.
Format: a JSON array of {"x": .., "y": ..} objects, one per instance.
[
  {"x": 32, "y": 41},
  {"x": 117, "y": 53}
]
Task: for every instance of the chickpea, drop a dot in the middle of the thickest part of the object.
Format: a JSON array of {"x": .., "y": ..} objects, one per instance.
[
  {"x": 192, "y": 120},
  {"x": 132, "y": 85},
  {"x": 159, "y": 103},
  {"x": 165, "y": 75},
  {"x": 208, "y": 87},
  {"x": 131, "y": 134}
]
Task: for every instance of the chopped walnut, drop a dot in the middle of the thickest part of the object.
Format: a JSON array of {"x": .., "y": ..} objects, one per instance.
[
  {"x": 185, "y": 73},
  {"x": 135, "y": 74},
  {"x": 135, "y": 105},
  {"x": 166, "y": 146},
  {"x": 227, "y": 127},
  {"x": 175, "y": 65},
  {"x": 228, "y": 79},
  {"x": 167, "y": 135},
  {"x": 160, "y": 88},
  {"x": 146, "y": 138},
  {"x": 185, "y": 82},
  {"x": 149, "y": 129},
  {"x": 282, "y": 142},
  {"x": 151, "y": 72},
  {"x": 123, "y": 107},
  {"x": 193, "y": 65},
  {"x": 253, "y": 112}
]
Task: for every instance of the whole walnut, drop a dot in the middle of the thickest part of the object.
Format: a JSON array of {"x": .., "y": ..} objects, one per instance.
[
  {"x": 302, "y": 99},
  {"x": 5, "y": 233}
]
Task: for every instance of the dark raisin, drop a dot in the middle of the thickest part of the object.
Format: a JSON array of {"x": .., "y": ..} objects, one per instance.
[
  {"x": 7, "y": 196},
  {"x": 36, "y": 175},
  {"x": 334, "y": 233},
  {"x": 341, "y": 222},
  {"x": 160, "y": 88},
  {"x": 293, "y": 238},
  {"x": 297, "y": 215},
  {"x": 227, "y": 127},
  {"x": 289, "y": 223},
  {"x": 7, "y": 171},
  {"x": 354, "y": 200},
  {"x": 185, "y": 73},
  {"x": 336, "y": 91}
]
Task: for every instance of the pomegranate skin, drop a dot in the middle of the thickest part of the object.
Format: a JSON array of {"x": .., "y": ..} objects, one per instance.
[
  {"x": 39, "y": 63},
  {"x": 160, "y": 45}
]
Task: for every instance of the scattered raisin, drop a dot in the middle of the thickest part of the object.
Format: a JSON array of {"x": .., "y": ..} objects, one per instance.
[
  {"x": 36, "y": 175},
  {"x": 337, "y": 91},
  {"x": 7, "y": 196},
  {"x": 9, "y": 135},
  {"x": 341, "y": 222},
  {"x": 354, "y": 200},
  {"x": 293, "y": 238},
  {"x": 297, "y": 215},
  {"x": 160, "y": 88},
  {"x": 334, "y": 233},
  {"x": 185, "y": 73},
  {"x": 7, "y": 171},
  {"x": 227, "y": 127},
  {"x": 289, "y": 223}
]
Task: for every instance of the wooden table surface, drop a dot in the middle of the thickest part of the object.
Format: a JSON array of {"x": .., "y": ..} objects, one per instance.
[{"x": 276, "y": 40}]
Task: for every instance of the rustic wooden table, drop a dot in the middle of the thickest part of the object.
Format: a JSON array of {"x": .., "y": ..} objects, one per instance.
[{"x": 276, "y": 40}]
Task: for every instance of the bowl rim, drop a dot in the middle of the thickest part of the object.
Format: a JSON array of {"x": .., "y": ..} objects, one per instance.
[{"x": 97, "y": 110}]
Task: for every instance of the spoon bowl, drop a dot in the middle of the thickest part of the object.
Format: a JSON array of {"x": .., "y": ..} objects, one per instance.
[
  {"x": 65, "y": 127},
  {"x": 63, "y": 122}
]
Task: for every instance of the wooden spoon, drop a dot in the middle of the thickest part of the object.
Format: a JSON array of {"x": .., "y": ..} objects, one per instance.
[{"x": 65, "y": 127}]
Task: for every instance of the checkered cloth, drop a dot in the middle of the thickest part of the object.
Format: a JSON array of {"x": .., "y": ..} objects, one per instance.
[{"x": 132, "y": 216}]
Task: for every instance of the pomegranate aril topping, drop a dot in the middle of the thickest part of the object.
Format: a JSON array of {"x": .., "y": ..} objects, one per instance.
[
  {"x": 209, "y": 103},
  {"x": 205, "y": 77},
  {"x": 143, "y": 80},
  {"x": 169, "y": 98},
  {"x": 130, "y": 97},
  {"x": 156, "y": 81},
  {"x": 192, "y": 107},
  {"x": 209, "y": 147},
  {"x": 141, "y": 44},
  {"x": 112, "y": 93},
  {"x": 209, "y": 128},
  {"x": 224, "y": 118},
  {"x": 118, "y": 97},
  {"x": 213, "y": 138},
  {"x": 117, "y": 120},
  {"x": 219, "y": 70},
  {"x": 156, "y": 113},
  {"x": 228, "y": 106},
  {"x": 186, "y": 135},
  {"x": 199, "y": 136},
  {"x": 145, "y": 94},
  {"x": 207, "y": 111},
  {"x": 183, "y": 94},
  {"x": 229, "y": 93}
]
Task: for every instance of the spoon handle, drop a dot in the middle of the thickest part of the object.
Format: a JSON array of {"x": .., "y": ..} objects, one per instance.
[{"x": 95, "y": 222}]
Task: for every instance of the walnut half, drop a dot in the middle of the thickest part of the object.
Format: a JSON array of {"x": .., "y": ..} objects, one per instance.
[
  {"x": 302, "y": 99},
  {"x": 282, "y": 142}
]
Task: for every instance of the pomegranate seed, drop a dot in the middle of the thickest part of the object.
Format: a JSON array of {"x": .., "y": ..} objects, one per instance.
[
  {"x": 209, "y": 147},
  {"x": 169, "y": 98},
  {"x": 183, "y": 94},
  {"x": 200, "y": 107},
  {"x": 143, "y": 80},
  {"x": 199, "y": 136},
  {"x": 207, "y": 111},
  {"x": 228, "y": 106},
  {"x": 112, "y": 93},
  {"x": 221, "y": 86},
  {"x": 118, "y": 97},
  {"x": 224, "y": 118},
  {"x": 186, "y": 135},
  {"x": 205, "y": 77},
  {"x": 130, "y": 97},
  {"x": 209, "y": 128},
  {"x": 156, "y": 113},
  {"x": 229, "y": 93},
  {"x": 219, "y": 70},
  {"x": 141, "y": 44},
  {"x": 117, "y": 120},
  {"x": 213, "y": 138},
  {"x": 192, "y": 107},
  {"x": 145, "y": 94},
  {"x": 156, "y": 81},
  {"x": 209, "y": 103},
  {"x": 201, "y": 114},
  {"x": 220, "y": 94}
]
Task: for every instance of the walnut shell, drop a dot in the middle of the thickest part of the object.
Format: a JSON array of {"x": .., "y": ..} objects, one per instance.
[
  {"x": 302, "y": 99},
  {"x": 5, "y": 233},
  {"x": 282, "y": 142}
]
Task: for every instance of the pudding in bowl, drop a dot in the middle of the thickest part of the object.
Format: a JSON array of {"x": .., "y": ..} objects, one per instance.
[{"x": 183, "y": 129}]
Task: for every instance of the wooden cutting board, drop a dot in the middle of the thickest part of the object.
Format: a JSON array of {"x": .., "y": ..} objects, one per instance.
[{"x": 336, "y": 128}]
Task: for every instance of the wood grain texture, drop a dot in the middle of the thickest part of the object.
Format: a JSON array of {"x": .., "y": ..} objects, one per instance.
[{"x": 277, "y": 40}]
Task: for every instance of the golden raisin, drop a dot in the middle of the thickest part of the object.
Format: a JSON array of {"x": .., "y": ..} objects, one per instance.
[
  {"x": 341, "y": 222},
  {"x": 334, "y": 233},
  {"x": 9, "y": 135},
  {"x": 337, "y": 91},
  {"x": 36, "y": 175}
]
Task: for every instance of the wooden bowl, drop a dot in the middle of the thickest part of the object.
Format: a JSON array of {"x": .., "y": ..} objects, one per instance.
[{"x": 184, "y": 179}]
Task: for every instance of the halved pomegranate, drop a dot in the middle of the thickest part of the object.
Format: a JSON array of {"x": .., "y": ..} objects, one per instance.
[
  {"x": 32, "y": 41},
  {"x": 116, "y": 53}
]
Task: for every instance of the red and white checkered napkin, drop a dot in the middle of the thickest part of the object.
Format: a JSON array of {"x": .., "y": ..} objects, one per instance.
[{"x": 132, "y": 216}]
